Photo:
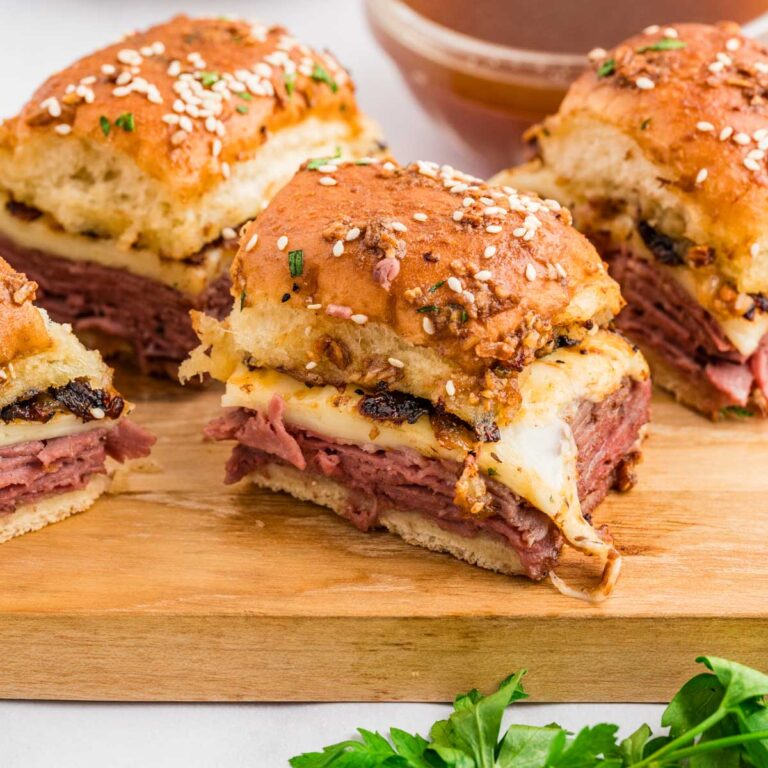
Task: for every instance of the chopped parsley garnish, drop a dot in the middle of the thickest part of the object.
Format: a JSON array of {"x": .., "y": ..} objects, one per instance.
[
  {"x": 243, "y": 297},
  {"x": 318, "y": 162},
  {"x": 209, "y": 78},
  {"x": 667, "y": 44},
  {"x": 106, "y": 126},
  {"x": 245, "y": 96},
  {"x": 463, "y": 316},
  {"x": 428, "y": 308},
  {"x": 126, "y": 122},
  {"x": 608, "y": 67},
  {"x": 738, "y": 411},
  {"x": 296, "y": 263},
  {"x": 645, "y": 123},
  {"x": 290, "y": 83},
  {"x": 437, "y": 285},
  {"x": 491, "y": 472},
  {"x": 242, "y": 109},
  {"x": 321, "y": 75}
]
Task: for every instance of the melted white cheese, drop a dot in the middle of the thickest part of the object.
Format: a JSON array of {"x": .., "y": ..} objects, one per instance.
[
  {"x": 536, "y": 455},
  {"x": 60, "y": 425}
]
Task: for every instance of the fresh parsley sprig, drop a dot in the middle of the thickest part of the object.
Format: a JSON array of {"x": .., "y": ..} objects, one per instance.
[{"x": 718, "y": 719}]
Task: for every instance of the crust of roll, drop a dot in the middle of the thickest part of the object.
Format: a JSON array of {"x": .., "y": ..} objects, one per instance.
[
  {"x": 483, "y": 550},
  {"x": 148, "y": 181},
  {"x": 53, "y": 509}
]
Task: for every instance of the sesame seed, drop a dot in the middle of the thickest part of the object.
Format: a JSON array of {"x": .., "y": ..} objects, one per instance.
[
  {"x": 251, "y": 244},
  {"x": 670, "y": 32},
  {"x": 63, "y": 129},
  {"x": 752, "y": 164},
  {"x": 225, "y": 170},
  {"x": 458, "y": 215},
  {"x": 493, "y": 229},
  {"x": 450, "y": 388},
  {"x": 519, "y": 231},
  {"x": 216, "y": 147},
  {"x": 328, "y": 181},
  {"x": 178, "y": 137},
  {"x": 338, "y": 248},
  {"x": 395, "y": 363},
  {"x": 171, "y": 118},
  {"x": 108, "y": 69},
  {"x": 733, "y": 44},
  {"x": 742, "y": 138},
  {"x": 398, "y": 226},
  {"x": 52, "y": 106},
  {"x": 530, "y": 272},
  {"x": 724, "y": 59},
  {"x": 483, "y": 275},
  {"x": 353, "y": 234},
  {"x": 228, "y": 233},
  {"x": 428, "y": 326},
  {"x": 754, "y": 249},
  {"x": 715, "y": 67},
  {"x": 494, "y": 210},
  {"x": 489, "y": 251},
  {"x": 486, "y": 200},
  {"x": 467, "y": 201},
  {"x": 726, "y": 133},
  {"x": 359, "y": 319},
  {"x": 329, "y": 168},
  {"x": 561, "y": 270},
  {"x": 645, "y": 83},
  {"x": 756, "y": 154},
  {"x": 310, "y": 365},
  {"x": 701, "y": 176},
  {"x": 454, "y": 284},
  {"x": 97, "y": 413},
  {"x": 314, "y": 306},
  {"x": 704, "y": 126},
  {"x": 186, "y": 124},
  {"x": 652, "y": 29},
  {"x": 420, "y": 216},
  {"x": 760, "y": 134},
  {"x": 282, "y": 242},
  {"x": 388, "y": 166},
  {"x": 596, "y": 54}
]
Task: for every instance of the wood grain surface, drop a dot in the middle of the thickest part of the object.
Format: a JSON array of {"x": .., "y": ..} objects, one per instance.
[{"x": 182, "y": 588}]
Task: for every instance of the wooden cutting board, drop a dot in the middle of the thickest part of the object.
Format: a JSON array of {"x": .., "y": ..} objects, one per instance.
[{"x": 182, "y": 588}]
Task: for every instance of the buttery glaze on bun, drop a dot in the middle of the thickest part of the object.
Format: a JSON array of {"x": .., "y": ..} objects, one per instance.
[
  {"x": 22, "y": 329},
  {"x": 421, "y": 277},
  {"x": 660, "y": 151},
  {"x": 127, "y": 143}
]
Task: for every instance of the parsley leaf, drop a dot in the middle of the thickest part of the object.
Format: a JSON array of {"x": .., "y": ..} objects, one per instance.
[
  {"x": 608, "y": 67},
  {"x": 428, "y": 308},
  {"x": 242, "y": 109},
  {"x": 126, "y": 122},
  {"x": 438, "y": 284},
  {"x": 245, "y": 96},
  {"x": 209, "y": 78},
  {"x": 296, "y": 263},
  {"x": 736, "y": 410},
  {"x": 666, "y": 44},
  {"x": 317, "y": 162},
  {"x": 320, "y": 74},
  {"x": 290, "y": 83},
  {"x": 106, "y": 126},
  {"x": 645, "y": 123},
  {"x": 243, "y": 297}
]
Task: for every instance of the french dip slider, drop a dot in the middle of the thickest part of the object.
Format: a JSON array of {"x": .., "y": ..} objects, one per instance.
[
  {"x": 60, "y": 416},
  {"x": 124, "y": 179},
  {"x": 425, "y": 353},
  {"x": 659, "y": 149}
]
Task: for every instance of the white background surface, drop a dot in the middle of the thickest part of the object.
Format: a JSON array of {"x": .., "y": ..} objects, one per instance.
[{"x": 37, "y": 37}]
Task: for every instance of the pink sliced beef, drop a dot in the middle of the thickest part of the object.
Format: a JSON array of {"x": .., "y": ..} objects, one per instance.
[
  {"x": 666, "y": 319},
  {"x": 606, "y": 434},
  {"x": 151, "y": 317},
  {"x": 38, "y": 469}
]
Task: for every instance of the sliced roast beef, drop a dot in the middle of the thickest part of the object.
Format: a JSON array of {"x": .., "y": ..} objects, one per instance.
[
  {"x": 606, "y": 434},
  {"x": 150, "y": 317},
  {"x": 664, "y": 318},
  {"x": 37, "y": 469}
]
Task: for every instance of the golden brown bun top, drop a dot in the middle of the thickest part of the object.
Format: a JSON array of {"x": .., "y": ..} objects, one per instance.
[
  {"x": 148, "y": 81},
  {"x": 410, "y": 248},
  {"x": 695, "y": 99},
  {"x": 22, "y": 329}
]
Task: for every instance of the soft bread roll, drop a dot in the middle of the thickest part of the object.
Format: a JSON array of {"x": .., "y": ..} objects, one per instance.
[
  {"x": 420, "y": 277},
  {"x": 678, "y": 134},
  {"x": 22, "y": 329},
  {"x": 483, "y": 550},
  {"x": 133, "y": 143}
]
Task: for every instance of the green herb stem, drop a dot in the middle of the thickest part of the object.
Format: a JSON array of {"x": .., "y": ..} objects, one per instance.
[
  {"x": 684, "y": 738},
  {"x": 715, "y": 744}
]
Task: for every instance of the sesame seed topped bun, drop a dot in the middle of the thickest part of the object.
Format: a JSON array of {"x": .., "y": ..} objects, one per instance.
[
  {"x": 156, "y": 140},
  {"x": 673, "y": 122},
  {"x": 419, "y": 277},
  {"x": 22, "y": 329}
]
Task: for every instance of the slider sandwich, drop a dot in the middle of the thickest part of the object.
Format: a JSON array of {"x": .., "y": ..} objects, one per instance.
[
  {"x": 60, "y": 416},
  {"x": 659, "y": 150},
  {"x": 425, "y": 353},
  {"x": 125, "y": 178}
]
